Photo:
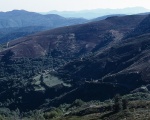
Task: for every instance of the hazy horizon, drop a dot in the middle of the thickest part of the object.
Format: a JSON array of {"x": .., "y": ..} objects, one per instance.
[{"x": 69, "y": 5}]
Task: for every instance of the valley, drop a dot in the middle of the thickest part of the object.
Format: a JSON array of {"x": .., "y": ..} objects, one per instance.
[{"x": 74, "y": 70}]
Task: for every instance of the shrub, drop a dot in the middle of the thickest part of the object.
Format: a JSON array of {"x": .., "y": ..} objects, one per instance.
[
  {"x": 49, "y": 115},
  {"x": 53, "y": 113},
  {"x": 77, "y": 103},
  {"x": 1, "y": 118}
]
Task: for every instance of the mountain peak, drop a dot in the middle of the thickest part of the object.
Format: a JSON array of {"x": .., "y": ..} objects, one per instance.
[{"x": 17, "y": 11}]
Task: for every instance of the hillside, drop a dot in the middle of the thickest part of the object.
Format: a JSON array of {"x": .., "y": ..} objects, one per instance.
[
  {"x": 125, "y": 64},
  {"x": 8, "y": 34},
  {"x": 89, "y": 61},
  {"x": 133, "y": 106},
  {"x": 78, "y": 39},
  {"x": 142, "y": 28}
]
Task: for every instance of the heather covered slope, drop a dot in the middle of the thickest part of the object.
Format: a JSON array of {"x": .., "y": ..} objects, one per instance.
[
  {"x": 125, "y": 62},
  {"x": 142, "y": 28},
  {"x": 130, "y": 58},
  {"x": 75, "y": 40}
]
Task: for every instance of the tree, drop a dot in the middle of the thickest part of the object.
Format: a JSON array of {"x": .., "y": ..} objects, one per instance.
[
  {"x": 7, "y": 56},
  {"x": 41, "y": 78},
  {"x": 125, "y": 104},
  {"x": 117, "y": 103}
]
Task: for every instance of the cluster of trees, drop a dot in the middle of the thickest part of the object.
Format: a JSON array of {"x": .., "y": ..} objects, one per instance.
[
  {"x": 119, "y": 103},
  {"x": 26, "y": 67},
  {"x": 16, "y": 75}
]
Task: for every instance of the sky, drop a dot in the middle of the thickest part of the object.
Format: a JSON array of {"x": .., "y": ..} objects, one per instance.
[{"x": 69, "y": 5}]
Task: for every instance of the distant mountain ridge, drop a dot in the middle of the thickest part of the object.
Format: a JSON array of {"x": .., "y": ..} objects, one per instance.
[
  {"x": 22, "y": 18},
  {"x": 90, "y": 14},
  {"x": 20, "y": 23}
]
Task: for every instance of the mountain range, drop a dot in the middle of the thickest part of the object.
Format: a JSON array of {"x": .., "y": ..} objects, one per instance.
[
  {"x": 22, "y": 18},
  {"x": 19, "y": 23},
  {"x": 90, "y": 14},
  {"x": 91, "y": 61}
]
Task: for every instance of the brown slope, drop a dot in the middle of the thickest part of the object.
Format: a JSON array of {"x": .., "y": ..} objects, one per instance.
[
  {"x": 126, "y": 64},
  {"x": 75, "y": 40},
  {"x": 142, "y": 28}
]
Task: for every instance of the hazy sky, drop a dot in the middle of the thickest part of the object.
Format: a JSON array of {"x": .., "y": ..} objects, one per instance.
[{"x": 71, "y": 5}]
